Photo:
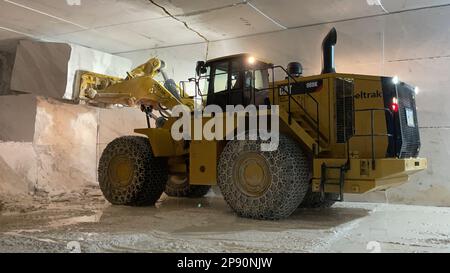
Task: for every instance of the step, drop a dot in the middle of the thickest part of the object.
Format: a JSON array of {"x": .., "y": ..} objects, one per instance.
[{"x": 312, "y": 131}]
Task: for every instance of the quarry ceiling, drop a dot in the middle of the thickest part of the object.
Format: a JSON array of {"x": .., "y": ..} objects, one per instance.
[{"x": 118, "y": 26}]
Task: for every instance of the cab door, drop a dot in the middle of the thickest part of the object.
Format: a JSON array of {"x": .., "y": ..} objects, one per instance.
[{"x": 225, "y": 84}]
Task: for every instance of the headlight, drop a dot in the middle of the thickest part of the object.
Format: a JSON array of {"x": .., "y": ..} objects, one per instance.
[{"x": 395, "y": 80}]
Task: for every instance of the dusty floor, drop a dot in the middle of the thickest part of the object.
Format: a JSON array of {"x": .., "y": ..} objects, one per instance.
[{"x": 85, "y": 222}]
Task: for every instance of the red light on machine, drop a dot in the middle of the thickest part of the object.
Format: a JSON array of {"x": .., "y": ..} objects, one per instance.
[{"x": 394, "y": 105}]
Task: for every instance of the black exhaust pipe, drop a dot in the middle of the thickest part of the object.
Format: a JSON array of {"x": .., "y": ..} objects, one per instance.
[{"x": 328, "y": 45}]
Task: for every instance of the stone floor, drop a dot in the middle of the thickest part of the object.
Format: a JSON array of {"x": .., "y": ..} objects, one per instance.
[{"x": 89, "y": 224}]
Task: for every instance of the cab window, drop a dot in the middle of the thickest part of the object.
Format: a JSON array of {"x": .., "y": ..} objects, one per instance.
[
  {"x": 236, "y": 72},
  {"x": 257, "y": 77},
  {"x": 261, "y": 79},
  {"x": 220, "y": 77}
]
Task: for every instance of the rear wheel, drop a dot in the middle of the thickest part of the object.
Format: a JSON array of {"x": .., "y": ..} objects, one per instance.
[
  {"x": 178, "y": 186},
  {"x": 263, "y": 185},
  {"x": 129, "y": 174}
]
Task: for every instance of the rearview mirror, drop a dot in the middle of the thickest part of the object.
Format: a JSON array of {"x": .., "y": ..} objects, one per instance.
[{"x": 200, "y": 69}]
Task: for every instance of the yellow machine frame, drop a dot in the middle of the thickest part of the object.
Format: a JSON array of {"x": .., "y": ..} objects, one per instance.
[{"x": 368, "y": 168}]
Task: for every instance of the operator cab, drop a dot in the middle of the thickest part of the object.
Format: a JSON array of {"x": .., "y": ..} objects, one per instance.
[{"x": 234, "y": 80}]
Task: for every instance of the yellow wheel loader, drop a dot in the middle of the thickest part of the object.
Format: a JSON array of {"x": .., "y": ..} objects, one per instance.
[{"x": 338, "y": 133}]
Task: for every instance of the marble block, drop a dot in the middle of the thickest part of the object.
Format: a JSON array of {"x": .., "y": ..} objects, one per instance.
[
  {"x": 7, "y": 55},
  {"x": 6, "y": 65},
  {"x": 48, "y": 69},
  {"x": 17, "y": 118}
]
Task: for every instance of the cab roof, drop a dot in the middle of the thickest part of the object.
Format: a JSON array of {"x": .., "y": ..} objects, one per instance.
[{"x": 235, "y": 56}]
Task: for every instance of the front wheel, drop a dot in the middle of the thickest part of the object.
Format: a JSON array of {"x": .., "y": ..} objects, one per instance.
[{"x": 129, "y": 174}]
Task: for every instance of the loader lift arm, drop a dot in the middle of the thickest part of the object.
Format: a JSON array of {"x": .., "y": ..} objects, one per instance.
[{"x": 140, "y": 87}]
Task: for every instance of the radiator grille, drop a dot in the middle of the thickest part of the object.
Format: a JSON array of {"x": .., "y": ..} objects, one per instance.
[
  {"x": 344, "y": 109},
  {"x": 410, "y": 144}
]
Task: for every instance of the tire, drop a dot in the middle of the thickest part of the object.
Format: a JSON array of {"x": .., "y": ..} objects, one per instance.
[
  {"x": 313, "y": 200},
  {"x": 263, "y": 185},
  {"x": 142, "y": 177},
  {"x": 179, "y": 187}
]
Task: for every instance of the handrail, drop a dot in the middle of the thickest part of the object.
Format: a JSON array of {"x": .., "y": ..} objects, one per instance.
[
  {"x": 317, "y": 120},
  {"x": 372, "y": 134},
  {"x": 182, "y": 87},
  {"x": 304, "y": 110},
  {"x": 290, "y": 76}
]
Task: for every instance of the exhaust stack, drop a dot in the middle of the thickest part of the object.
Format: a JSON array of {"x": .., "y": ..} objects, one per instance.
[{"x": 328, "y": 45}]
